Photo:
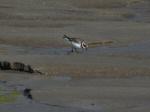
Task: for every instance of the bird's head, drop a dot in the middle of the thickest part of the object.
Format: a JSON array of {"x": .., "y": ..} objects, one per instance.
[
  {"x": 84, "y": 45},
  {"x": 65, "y": 37}
]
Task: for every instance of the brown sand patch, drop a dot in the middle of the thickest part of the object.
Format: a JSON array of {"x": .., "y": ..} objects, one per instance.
[
  {"x": 3, "y": 51},
  {"x": 85, "y": 71},
  {"x": 99, "y": 43},
  {"x": 103, "y": 4}
]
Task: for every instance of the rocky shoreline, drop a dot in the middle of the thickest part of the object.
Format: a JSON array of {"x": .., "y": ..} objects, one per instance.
[{"x": 18, "y": 66}]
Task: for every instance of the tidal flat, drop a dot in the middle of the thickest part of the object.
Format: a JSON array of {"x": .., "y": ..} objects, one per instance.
[{"x": 112, "y": 76}]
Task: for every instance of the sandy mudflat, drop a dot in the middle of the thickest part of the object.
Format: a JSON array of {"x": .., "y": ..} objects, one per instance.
[
  {"x": 64, "y": 94},
  {"x": 112, "y": 76}
]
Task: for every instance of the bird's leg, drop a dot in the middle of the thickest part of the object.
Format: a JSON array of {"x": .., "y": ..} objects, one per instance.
[
  {"x": 83, "y": 49},
  {"x": 72, "y": 49},
  {"x": 86, "y": 49}
]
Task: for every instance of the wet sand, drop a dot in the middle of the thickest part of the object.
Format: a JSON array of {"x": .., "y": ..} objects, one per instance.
[
  {"x": 66, "y": 94},
  {"x": 110, "y": 77}
]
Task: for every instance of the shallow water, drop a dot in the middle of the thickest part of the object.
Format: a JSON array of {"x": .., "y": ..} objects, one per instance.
[
  {"x": 23, "y": 104},
  {"x": 136, "y": 49}
]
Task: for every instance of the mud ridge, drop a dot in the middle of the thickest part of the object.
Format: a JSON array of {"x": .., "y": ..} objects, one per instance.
[{"x": 18, "y": 66}]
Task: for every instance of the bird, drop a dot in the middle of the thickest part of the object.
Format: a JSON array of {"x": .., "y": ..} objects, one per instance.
[{"x": 76, "y": 43}]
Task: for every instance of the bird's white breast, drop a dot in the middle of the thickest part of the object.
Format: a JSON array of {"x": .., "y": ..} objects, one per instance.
[{"x": 76, "y": 45}]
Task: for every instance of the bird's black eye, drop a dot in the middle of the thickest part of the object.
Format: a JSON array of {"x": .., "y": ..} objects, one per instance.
[{"x": 84, "y": 45}]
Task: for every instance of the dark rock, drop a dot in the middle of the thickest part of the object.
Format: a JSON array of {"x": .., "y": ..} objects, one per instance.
[
  {"x": 92, "y": 104},
  {"x": 27, "y": 93},
  {"x": 18, "y": 66},
  {"x": 4, "y": 82},
  {"x": 5, "y": 65},
  {"x": 28, "y": 69}
]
